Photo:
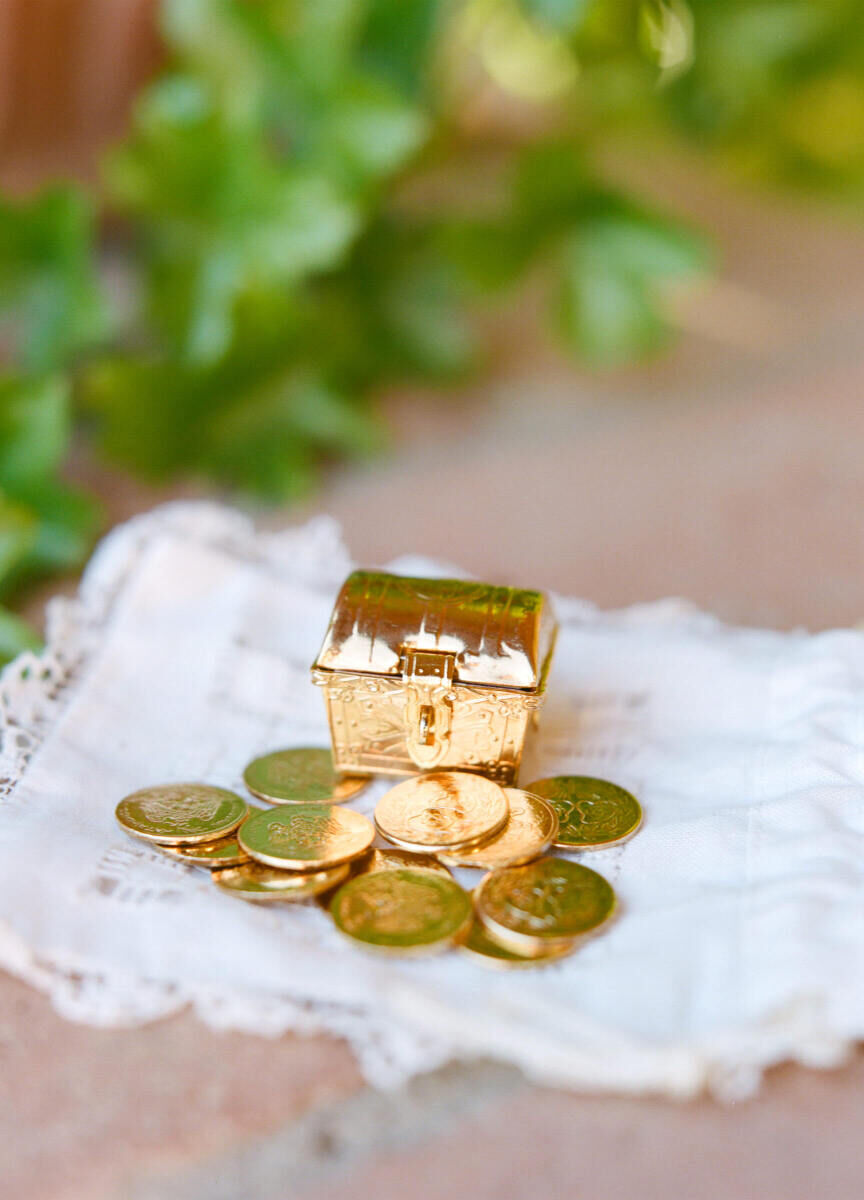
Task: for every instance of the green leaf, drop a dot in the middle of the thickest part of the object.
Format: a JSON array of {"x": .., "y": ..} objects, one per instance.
[
  {"x": 326, "y": 418},
  {"x": 551, "y": 191},
  {"x": 270, "y": 443},
  {"x": 214, "y": 44},
  {"x": 757, "y": 37},
  {"x": 49, "y": 295},
  {"x": 425, "y": 322},
  {"x": 34, "y": 428},
  {"x": 642, "y": 245},
  {"x": 611, "y": 270},
  {"x": 46, "y": 528},
  {"x": 398, "y": 41},
  {"x": 146, "y": 412},
  {"x": 262, "y": 418},
  {"x": 565, "y": 15},
  {"x": 18, "y": 534},
  {"x": 372, "y": 131},
  {"x": 401, "y": 305},
  {"x": 490, "y": 255},
  {"x": 67, "y": 520},
  {"x": 15, "y": 636},
  {"x": 272, "y": 60},
  {"x": 44, "y": 525},
  {"x": 223, "y": 216},
  {"x": 551, "y": 185},
  {"x": 202, "y": 186},
  {"x": 606, "y": 316}
]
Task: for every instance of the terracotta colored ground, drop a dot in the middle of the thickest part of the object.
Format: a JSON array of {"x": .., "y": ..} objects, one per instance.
[{"x": 730, "y": 473}]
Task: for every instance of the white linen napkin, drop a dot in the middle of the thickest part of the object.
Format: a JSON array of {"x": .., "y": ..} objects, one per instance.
[{"x": 187, "y": 653}]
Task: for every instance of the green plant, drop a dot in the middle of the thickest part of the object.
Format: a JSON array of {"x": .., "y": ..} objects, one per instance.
[{"x": 279, "y": 265}]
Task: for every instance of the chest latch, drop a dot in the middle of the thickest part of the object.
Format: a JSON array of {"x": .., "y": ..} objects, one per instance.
[{"x": 428, "y": 676}]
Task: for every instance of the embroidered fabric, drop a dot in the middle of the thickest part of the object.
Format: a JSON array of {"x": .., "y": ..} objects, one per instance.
[{"x": 186, "y": 653}]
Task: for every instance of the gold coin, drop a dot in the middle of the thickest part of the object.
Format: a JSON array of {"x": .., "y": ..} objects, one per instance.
[
  {"x": 303, "y": 775},
  {"x": 483, "y": 948},
  {"x": 592, "y": 814},
  {"x": 395, "y": 860},
  {"x": 181, "y": 813},
  {"x": 306, "y": 837},
  {"x": 530, "y": 830},
  {"x": 254, "y": 881},
  {"x": 391, "y": 860},
  {"x": 226, "y": 852},
  {"x": 402, "y": 912},
  {"x": 442, "y": 811},
  {"x": 544, "y": 904}
]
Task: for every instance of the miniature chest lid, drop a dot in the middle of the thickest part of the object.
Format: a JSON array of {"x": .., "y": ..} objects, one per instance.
[{"x": 498, "y": 636}]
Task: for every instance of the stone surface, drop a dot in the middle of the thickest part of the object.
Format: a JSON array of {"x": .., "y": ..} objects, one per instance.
[
  {"x": 330, "y": 1147},
  {"x": 798, "y": 1141},
  {"x": 83, "y": 1110}
]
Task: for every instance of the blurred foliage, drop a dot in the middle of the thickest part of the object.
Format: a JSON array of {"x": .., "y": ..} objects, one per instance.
[{"x": 284, "y": 255}]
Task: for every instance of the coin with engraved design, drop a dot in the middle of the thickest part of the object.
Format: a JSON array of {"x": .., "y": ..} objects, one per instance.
[
  {"x": 544, "y": 904},
  {"x": 402, "y": 912},
  {"x": 444, "y": 810},
  {"x": 305, "y": 837},
  {"x": 175, "y": 814},
  {"x": 301, "y": 775},
  {"x": 593, "y": 814}
]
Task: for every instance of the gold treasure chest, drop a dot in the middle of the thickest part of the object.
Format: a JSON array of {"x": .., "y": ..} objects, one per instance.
[{"x": 433, "y": 674}]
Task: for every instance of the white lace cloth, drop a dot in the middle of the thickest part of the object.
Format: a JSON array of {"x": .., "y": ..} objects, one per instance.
[{"x": 187, "y": 652}]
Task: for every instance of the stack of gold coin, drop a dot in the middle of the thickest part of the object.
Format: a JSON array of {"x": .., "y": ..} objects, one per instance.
[
  {"x": 260, "y": 884},
  {"x": 592, "y": 814},
  {"x": 297, "y": 851},
  {"x": 293, "y": 853},
  {"x": 193, "y": 822},
  {"x": 529, "y": 909},
  {"x": 541, "y": 909},
  {"x": 443, "y": 811},
  {"x": 531, "y": 828},
  {"x": 306, "y": 848}
]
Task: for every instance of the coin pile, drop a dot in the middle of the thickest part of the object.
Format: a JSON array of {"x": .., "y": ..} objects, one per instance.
[{"x": 529, "y": 909}]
